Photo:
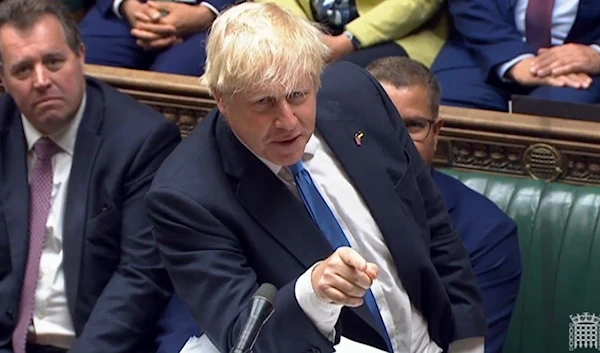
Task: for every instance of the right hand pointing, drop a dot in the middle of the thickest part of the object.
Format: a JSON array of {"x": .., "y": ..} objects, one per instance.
[{"x": 344, "y": 277}]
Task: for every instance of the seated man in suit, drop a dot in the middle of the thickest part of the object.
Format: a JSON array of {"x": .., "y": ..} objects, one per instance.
[
  {"x": 321, "y": 194},
  {"x": 546, "y": 49},
  {"x": 162, "y": 36},
  {"x": 361, "y": 31},
  {"x": 79, "y": 268},
  {"x": 488, "y": 234}
]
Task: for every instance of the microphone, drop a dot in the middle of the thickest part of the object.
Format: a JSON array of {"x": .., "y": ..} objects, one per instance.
[{"x": 262, "y": 305}]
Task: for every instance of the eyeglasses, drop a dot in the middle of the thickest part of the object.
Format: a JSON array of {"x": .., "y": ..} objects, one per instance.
[{"x": 418, "y": 128}]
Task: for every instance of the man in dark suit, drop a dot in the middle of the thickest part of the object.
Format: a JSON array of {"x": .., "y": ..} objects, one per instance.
[
  {"x": 541, "y": 48},
  {"x": 162, "y": 36},
  {"x": 343, "y": 219},
  {"x": 79, "y": 270},
  {"x": 488, "y": 234}
]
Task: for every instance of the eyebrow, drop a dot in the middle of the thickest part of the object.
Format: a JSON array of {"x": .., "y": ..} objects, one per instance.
[
  {"x": 27, "y": 60},
  {"x": 23, "y": 62}
]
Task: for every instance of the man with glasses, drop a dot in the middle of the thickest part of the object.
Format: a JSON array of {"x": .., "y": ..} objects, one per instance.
[{"x": 488, "y": 234}]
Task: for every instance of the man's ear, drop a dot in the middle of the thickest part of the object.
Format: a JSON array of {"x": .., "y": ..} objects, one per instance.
[
  {"x": 81, "y": 52},
  {"x": 220, "y": 99}
]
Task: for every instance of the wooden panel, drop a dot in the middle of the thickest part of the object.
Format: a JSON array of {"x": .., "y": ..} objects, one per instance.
[
  {"x": 521, "y": 145},
  {"x": 181, "y": 99},
  {"x": 484, "y": 141}
]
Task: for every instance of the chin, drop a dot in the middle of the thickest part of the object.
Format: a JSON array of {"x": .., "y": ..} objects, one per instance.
[
  {"x": 290, "y": 159},
  {"x": 55, "y": 122}
]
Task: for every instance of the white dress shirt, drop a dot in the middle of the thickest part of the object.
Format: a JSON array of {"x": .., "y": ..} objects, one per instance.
[
  {"x": 406, "y": 327},
  {"x": 52, "y": 324},
  {"x": 563, "y": 18},
  {"x": 117, "y": 6}
]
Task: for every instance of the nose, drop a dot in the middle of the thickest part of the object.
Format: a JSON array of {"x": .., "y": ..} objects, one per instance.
[
  {"x": 41, "y": 79},
  {"x": 286, "y": 119}
]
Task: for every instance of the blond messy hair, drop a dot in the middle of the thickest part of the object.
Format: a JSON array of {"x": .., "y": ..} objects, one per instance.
[{"x": 254, "y": 46}]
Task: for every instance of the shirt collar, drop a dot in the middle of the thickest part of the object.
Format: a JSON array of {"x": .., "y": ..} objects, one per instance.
[{"x": 64, "y": 138}]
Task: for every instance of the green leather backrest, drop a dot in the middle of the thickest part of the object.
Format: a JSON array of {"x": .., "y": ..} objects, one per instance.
[{"x": 560, "y": 244}]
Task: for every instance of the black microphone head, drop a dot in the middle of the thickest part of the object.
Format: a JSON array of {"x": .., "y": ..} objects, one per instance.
[
  {"x": 266, "y": 291},
  {"x": 262, "y": 306}
]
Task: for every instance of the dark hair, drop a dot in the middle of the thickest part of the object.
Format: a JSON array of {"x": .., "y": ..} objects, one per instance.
[
  {"x": 402, "y": 72},
  {"x": 24, "y": 14}
]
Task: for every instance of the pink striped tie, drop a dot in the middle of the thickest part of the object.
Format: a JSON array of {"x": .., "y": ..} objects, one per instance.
[
  {"x": 40, "y": 195},
  {"x": 538, "y": 23}
]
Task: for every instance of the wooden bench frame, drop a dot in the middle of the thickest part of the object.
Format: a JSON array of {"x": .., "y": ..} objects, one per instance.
[{"x": 519, "y": 145}]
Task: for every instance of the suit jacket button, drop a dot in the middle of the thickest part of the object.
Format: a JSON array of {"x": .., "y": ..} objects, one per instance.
[{"x": 10, "y": 314}]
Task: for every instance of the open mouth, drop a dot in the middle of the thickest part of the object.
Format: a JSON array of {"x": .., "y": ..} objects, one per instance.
[{"x": 289, "y": 141}]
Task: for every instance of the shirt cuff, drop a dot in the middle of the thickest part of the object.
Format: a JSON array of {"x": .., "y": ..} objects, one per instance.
[
  {"x": 596, "y": 47},
  {"x": 116, "y": 7},
  {"x": 468, "y": 345},
  {"x": 503, "y": 69},
  {"x": 324, "y": 315},
  {"x": 210, "y": 7}
]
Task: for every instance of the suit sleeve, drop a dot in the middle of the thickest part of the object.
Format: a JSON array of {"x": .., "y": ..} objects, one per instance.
[
  {"x": 105, "y": 7},
  {"x": 220, "y": 5},
  {"x": 175, "y": 327},
  {"x": 448, "y": 254},
  {"x": 139, "y": 289},
  {"x": 497, "y": 267},
  {"x": 211, "y": 273},
  {"x": 391, "y": 20},
  {"x": 488, "y": 33}
]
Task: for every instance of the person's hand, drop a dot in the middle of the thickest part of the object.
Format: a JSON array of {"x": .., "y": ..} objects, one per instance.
[
  {"x": 186, "y": 19},
  {"x": 339, "y": 46},
  {"x": 152, "y": 35},
  {"x": 344, "y": 277},
  {"x": 143, "y": 20},
  {"x": 566, "y": 59},
  {"x": 134, "y": 12},
  {"x": 522, "y": 74}
]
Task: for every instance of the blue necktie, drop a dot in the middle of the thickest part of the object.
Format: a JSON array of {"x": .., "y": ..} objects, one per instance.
[{"x": 325, "y": 220}]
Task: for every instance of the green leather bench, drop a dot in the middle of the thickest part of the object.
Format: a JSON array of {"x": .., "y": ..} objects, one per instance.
[{"x": 560, "y": 244}]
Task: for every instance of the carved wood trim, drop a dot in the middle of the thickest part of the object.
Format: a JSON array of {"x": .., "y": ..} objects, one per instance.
[
  {"x": 478, "y": 140},
  {"x": 521, "y": 145},
  {"x": 182, "y": 99}
]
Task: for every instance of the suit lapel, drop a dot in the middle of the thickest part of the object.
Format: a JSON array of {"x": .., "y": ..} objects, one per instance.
[
  {"x": 587, "y": 16},
  {"x": 376, "y": 189},
  {"x": 86, "y": 148},
  {"x": 269, "y": 201},
  {"x": 16, "y": 192}
]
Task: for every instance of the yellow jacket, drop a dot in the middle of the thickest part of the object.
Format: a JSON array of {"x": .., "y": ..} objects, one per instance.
[{"x": 419, "y": 26}]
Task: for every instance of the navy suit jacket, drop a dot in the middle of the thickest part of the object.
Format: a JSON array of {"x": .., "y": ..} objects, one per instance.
[
  {"x": 491, "y": 239},
  {"x": 175, "y": 327},
  {"x": 96, "y": 19},
  {"x": 225, "y": 224},
  {"x": 115, "y": 283},
  {"x": 487, "y": 29},
  {"x": 106, "y": 6}
]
